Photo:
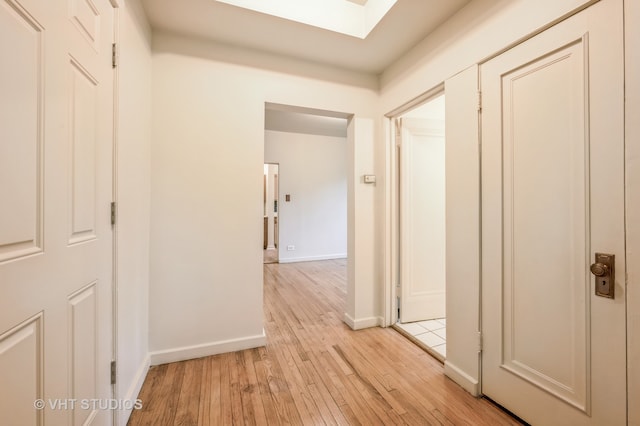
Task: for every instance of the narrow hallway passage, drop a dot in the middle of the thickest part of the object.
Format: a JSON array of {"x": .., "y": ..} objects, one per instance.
[{"x": 313, "y": 370}]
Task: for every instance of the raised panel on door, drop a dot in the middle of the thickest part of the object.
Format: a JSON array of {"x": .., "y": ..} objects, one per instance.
[
  {"x": 545, "y": 216},
  {"x": 21, "y": 141},
  {"x": 83, "y": 112},
  {"x": 21, "y": 357},
  {"x": 86, "y": 17},
  {"x": 83, "y": 348},
  {"x": 552, "y": 185}
]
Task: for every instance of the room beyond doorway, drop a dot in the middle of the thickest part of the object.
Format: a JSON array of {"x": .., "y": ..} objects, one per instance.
[{"x": 310, "y": 210}]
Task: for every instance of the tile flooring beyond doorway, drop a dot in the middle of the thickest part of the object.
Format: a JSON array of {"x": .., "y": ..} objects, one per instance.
[{"x": 431, "y": 334}]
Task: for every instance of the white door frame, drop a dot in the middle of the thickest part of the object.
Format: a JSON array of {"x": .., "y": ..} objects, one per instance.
[
  {"x": 117, "y": 5},
  {"x": 632, "y": 200},
  {"x": 392, "y": 205}
]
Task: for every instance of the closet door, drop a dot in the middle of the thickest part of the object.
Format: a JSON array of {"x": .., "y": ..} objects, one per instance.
[
  {"x": 552, "y": 198},
  {"x": 56, "y": 141}
]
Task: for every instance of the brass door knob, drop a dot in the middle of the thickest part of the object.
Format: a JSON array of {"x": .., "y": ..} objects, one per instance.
[{"x": 599, "y": 269}]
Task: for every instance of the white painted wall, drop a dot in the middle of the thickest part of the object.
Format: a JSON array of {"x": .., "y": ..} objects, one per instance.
[
  {"x": 363, "y": 249},
  {"x": 133, "y": 198},
  {"x": 206, "y": 196},
  {"x": 481, "y": 29},
  {"x": 463, "y": 229},
  {"x": 313, "y": 171}
]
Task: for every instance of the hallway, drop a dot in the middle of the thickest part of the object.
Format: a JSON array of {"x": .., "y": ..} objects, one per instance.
[{"x": 314, "y": 369}]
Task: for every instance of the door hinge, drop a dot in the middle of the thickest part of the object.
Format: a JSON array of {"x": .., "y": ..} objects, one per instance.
[
  {"x": 113, "y": 372},
  {"x": 113, "y": 213},
  {"x": 479, "y": 101},
  {"x": 480, "y": 341},
  {"x": 114, "y": 56}
]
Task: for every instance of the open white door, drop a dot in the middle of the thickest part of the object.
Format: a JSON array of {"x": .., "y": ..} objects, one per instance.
[
  {"x": 553, "y": 196},
  {"x": 422, "y": 219},
  {"x": 56, "y": 139}
]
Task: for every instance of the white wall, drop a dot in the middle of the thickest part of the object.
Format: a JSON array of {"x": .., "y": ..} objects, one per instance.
[
  {"x": 133, "y": 198},
  {"x": 206, "y": 195},
  {"x": 463, "y": 229},
  {"x": 481, "y": 29},
  {"x": 364, "y": 280},
  {"x": 313, "y": 171}
]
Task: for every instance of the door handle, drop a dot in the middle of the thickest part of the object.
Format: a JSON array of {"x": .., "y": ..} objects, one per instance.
[{"x": 604, "y": 271}]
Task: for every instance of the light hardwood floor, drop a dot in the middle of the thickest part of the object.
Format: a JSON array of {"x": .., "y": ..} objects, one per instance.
[{"x": 314, "y": 370}]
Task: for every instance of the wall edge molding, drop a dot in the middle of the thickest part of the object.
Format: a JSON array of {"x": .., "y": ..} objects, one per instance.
[
  {"x": 466, "y": 381},
  {"x": 207, "y": 349},
  {"x": 314, "y": 258},
  {"x": 134, "y": 389},
  {"x": 360, "y": 323}
]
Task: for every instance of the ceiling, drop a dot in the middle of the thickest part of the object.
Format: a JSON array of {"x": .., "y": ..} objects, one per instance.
[
  {"x": 406, "y": 24},
  {"x": 343, "y": 16}
]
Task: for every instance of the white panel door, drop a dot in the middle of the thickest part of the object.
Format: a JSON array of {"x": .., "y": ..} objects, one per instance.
[
  {"x": 422, "y": 220},
  {"x": 56, "y": 140},
  {"x": 553, "y": 196}
]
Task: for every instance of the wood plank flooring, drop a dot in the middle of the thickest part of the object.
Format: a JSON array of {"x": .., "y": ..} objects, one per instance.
[{"x": 314, "y": 370}]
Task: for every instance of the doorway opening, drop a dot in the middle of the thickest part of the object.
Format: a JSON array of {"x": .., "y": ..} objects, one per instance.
[
  {"x": 270, "y": 212},
  {"x": 305, "y": 184},
  {"x": 420, "y": 292}
]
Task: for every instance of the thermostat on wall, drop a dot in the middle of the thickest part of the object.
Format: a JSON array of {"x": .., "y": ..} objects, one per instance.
[{"x": 369, "y": 178}]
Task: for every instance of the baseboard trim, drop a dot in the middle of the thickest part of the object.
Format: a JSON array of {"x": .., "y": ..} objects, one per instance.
[
  {"x": 206, "y": 349},
  {"x": 360, "y": 323},
  {"x": 312, "y": 258},
  {"x": 467, "y": 382},
  {"x": 134, "y": 390}
]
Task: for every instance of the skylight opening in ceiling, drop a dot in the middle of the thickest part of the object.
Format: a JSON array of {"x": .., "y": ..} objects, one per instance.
[{"x": 351, "y": 17}]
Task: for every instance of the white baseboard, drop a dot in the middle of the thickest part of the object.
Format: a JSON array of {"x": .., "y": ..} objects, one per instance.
[
  {"x": 213, "y": 348},
  {"x": 133, "y": 391},
  {"x": 360, "y": 323},
  {"x": 467, "y": 382},
  {"x": 312, "y": 258}
]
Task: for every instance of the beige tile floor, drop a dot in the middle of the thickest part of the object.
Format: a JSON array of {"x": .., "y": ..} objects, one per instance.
[{"x": 431, "y": 333}]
